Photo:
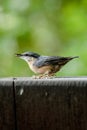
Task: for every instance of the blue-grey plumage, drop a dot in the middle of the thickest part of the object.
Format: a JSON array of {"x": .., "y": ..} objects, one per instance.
[
  {"x": 52, "y": 60},
  {"x": 44, "y": 64}
]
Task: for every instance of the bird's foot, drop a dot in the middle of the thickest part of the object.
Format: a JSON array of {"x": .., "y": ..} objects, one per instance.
[
  {"x": 47, "y": 76},
  {"x": 44, "y": 76},
  {"x": 50, "y": 76}
]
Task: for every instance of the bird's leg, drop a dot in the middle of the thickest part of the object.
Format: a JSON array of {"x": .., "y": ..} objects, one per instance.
[
  {"x": 52, "y": 75},
  {"x": 41, "y": 76},
  {"x": 47, "y": 75}
]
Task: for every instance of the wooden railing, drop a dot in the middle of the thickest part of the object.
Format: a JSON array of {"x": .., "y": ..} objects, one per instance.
[{"x": 43, "y": 104}]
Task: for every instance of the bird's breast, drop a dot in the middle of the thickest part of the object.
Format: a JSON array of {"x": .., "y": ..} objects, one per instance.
[
  {"x": 32, "y": 67},
  {"x": 41, "y": 70}
]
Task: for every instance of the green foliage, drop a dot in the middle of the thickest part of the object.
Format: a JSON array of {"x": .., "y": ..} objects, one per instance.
[{"x": 49, "y": 27}]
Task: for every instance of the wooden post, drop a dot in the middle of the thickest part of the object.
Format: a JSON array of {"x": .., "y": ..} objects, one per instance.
[
  {"x": 51, "y": 104},
  {"x": 7, "y": 113},
  {"x": 43, "y": 104}
]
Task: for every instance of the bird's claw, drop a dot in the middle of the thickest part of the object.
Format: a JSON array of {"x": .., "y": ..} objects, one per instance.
[{"x": 43, "y": 77}]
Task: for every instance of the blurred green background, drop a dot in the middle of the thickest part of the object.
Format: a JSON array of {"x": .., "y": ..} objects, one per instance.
[{"x": 49, "y": 27}]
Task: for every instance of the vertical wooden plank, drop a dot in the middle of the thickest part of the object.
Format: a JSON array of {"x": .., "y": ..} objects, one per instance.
[
  {"x": 7, "y": 121},
  {"x": 52, "y": 104}
]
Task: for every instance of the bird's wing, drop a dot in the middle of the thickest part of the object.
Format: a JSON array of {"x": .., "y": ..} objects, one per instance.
[{"x": 50, "y": 60}]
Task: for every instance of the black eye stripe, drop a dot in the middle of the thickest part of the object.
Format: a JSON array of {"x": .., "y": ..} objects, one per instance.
[
  {"x": 31, "y": 54},
  {"x": 26, "y": 55}
]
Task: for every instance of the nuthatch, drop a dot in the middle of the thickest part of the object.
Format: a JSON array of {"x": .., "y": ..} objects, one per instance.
[{"x": 45, "y": 65}]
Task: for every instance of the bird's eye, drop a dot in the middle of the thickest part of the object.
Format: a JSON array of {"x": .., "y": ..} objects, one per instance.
[{"x": 26, "y": 55}]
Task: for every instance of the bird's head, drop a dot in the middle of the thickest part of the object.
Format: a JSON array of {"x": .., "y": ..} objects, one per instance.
[{"x": 28, "y": 56}]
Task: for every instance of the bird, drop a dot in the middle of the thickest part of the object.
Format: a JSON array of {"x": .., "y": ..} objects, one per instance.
[{"x": 45, "y": 66}]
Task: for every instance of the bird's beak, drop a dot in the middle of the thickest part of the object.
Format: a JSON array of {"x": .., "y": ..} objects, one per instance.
[{"x": 18, "y": 55}]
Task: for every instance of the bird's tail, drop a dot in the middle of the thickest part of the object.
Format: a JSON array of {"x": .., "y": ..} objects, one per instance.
[
  {"x": 70, "y": 58},
  {"x": 65, "y": 60}
]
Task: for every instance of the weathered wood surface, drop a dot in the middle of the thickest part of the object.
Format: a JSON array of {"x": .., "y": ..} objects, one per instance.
[
  {"x": 7, "y": 120},
  {"x": 45, "y": 104},
  {"x": 56, "y": 104}
]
